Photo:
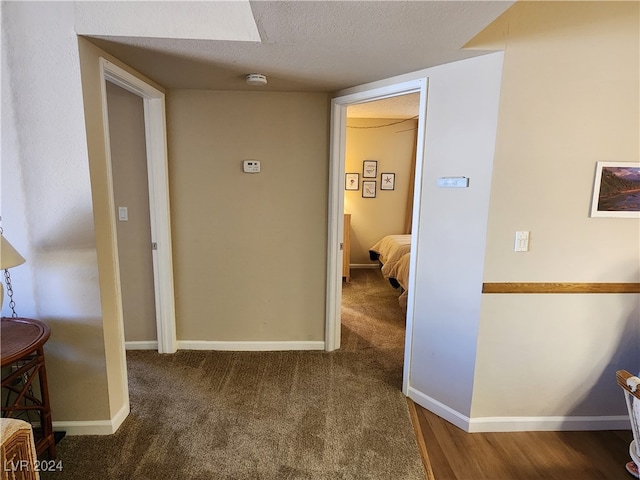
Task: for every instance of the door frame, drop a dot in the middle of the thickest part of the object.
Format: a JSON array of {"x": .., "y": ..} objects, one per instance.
[
  {"x": 158, "y": 179},
  {"x": 336, "y": 208}
]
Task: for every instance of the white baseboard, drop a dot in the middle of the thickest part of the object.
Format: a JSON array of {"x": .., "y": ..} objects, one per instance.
[
  {"x": 364, "y": 265},
  {"x": 440, "y": 409},
  {"x": 549, "y": 424},
  {"x": 520, "y": 424},
  {"x": 248, "y": 346},
  {"x": 141, "y": 345},
  {"x": 93, "y": 427}
]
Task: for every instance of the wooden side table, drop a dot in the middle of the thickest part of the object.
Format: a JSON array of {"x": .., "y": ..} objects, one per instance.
[{"x": 22, "y": 342}]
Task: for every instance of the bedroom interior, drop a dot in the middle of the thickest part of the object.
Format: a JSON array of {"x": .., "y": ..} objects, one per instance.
[
  {"x": 557, "y": 93},
  {"x": 382, "y": 133}
]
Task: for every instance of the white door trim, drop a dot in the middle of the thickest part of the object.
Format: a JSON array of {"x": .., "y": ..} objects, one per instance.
[
  {"x": 158, "y": 176},
  {"x": 336, "y": 208}
]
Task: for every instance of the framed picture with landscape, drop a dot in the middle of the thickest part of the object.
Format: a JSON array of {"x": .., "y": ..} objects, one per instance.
[{"x": 616, "y": 190}]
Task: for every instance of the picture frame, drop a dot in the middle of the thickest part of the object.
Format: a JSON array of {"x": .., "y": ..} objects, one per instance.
[
  {"x": 352, "y": 181},
  {"x": 369, "y": 169},
  {"x": 387, "y": 181},
  {"x": 369, "y": 189},
  {"x": 616, "y": 190}
]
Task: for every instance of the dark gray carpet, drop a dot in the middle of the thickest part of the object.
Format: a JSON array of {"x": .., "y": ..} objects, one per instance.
[{"x": 267, "y": 415}]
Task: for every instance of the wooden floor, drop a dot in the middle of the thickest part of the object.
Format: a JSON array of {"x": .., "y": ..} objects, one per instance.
[{"x": 452, "y": 454}]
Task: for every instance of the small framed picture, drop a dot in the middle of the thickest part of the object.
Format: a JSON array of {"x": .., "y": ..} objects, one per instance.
[
  {"x": 387, "y": 181},
  {"x": 352, "y": 181},
  {"x": 369, "y": 189},
  {"x": 616, "y": 190},
  {"x": 370, "y": 169}
]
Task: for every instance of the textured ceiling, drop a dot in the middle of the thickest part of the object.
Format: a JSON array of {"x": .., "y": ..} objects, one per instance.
[{"x": 307, "y": 45}]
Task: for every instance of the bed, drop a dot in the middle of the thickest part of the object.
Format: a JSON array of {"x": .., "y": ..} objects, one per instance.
[
  {"x": 399, "y": 272},
  {"x": 399, "y": 277},
  {"x": 394, "y": 253},
  {"x": 389, "y": 250}
]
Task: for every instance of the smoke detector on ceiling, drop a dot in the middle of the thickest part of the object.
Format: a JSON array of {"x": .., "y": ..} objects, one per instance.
[{"x": 256, "y": 79}]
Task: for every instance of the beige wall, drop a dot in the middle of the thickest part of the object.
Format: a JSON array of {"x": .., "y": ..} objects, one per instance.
[
  {"x": 249, "y": 249},
  {"x": 131, "y": 190},
  {"x": 105, "y": 245},
  {"x": 392, "y": 147},
  {"x": 570, "y": 98}
]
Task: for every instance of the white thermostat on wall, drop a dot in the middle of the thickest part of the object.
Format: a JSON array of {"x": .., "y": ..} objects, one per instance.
[{"x": 251, "y": 166}]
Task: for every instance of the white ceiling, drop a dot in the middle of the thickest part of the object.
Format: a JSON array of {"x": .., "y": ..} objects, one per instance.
[{"x": 318, "y": 46}]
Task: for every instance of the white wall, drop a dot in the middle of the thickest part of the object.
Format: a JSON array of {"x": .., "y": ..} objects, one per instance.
[
  {"x": 461, "y": 119},
  {"x": 12, "y": 197},
  {"x": 46, "y": 201},
  {"x": 462, "y": 109}
]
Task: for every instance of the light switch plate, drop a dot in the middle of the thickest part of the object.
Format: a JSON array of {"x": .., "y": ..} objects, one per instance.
[
  {"x": 522, "y": 242},
  {"x": 123, "y": 214}
]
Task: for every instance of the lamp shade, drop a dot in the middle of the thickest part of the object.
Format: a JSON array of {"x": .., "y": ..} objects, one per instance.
[{"x": 9, "y": 256}]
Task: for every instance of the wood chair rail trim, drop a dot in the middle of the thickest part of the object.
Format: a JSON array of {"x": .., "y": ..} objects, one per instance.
[{"x": 543, "y": 287}]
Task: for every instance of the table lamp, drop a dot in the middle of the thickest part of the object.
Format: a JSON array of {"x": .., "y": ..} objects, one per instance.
[{"x": 9, "y": 257}]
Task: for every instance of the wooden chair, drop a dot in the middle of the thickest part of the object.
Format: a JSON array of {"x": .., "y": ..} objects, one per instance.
[{"x": 630, "y": 384}]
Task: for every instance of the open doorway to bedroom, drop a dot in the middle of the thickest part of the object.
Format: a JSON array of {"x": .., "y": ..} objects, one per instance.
[
  {"x": 337, "y": 180},
  {"x": 380, "y": 154}
]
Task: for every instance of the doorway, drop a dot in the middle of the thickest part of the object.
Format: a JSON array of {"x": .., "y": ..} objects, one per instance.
[
  {"x": 336, "y": 206},
  {"x": 131, "y": 197},
  {"x": 158, "y": 196},
  {"x": 378, "y": 200}
]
